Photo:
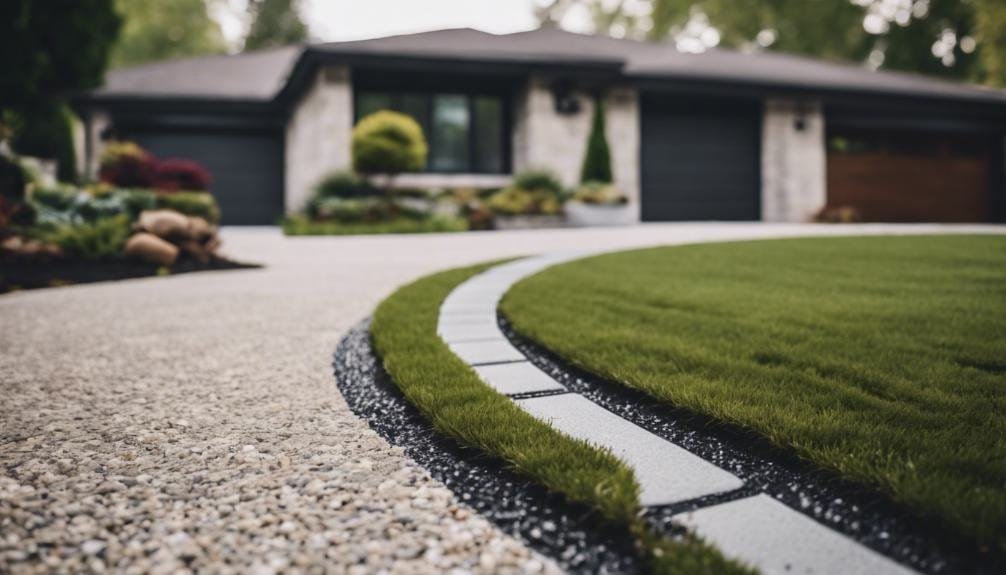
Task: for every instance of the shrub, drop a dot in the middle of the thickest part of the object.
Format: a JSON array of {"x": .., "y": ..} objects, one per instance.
[
  {"x": 599, "y": 193},
  {"x": 344, "y": 185},
  {"x": 177, "y": 174},
  {"x": 47, "y": 132},
  {"x": 390, "y": 143},
  {"x": 300, "y": 226},
  {"x": 127, "y": 165},
  {"x": 597, "y": 161},
  {"x": 98, "y": 240},
  {"x": 354, "y": 210},
  {"x": 67, "y": 205},
  {"x": 199, "y": 204},
  {"x": 538, "y": 180},
  {"x": 514, "y": 201}
]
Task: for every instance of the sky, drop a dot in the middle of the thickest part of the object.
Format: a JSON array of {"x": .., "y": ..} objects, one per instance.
[{"x": 331, "y": 20}]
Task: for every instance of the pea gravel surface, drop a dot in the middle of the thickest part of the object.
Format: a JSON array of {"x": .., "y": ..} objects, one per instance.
[{"x": 191, "y": 423}]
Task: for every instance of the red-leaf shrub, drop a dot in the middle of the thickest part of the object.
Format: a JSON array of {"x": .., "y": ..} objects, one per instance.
[
  {"x": 130, "y": 171},
  {"x": 177, "y": 174}
]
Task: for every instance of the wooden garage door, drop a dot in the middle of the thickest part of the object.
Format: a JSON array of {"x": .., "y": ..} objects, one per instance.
[
  {"x": 700, "y": 159},
  {"x": 893, "y": 176},
  {"x": 247, "y": 168}
]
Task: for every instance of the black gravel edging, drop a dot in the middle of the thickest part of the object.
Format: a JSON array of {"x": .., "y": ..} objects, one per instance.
[
  {"x": 865, "y": 516},
  {"x": 573, "y": 535}
]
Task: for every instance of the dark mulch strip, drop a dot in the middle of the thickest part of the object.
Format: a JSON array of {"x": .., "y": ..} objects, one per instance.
[
  {"x": 862, "y": 514},
  {"x": 19, "y": 274},
  {"x": 573, "y": 535}
]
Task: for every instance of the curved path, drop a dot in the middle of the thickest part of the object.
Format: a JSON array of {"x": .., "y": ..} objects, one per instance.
[
  {"x": 755, "y": 529},
  {"x": 192, "y": 422}
]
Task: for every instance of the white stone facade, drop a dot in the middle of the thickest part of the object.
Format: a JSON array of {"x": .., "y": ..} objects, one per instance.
[
  {"x": 318, "y": 134},
  {"x": 544, "y": 138},
  {"x": 794, "y": 161}
]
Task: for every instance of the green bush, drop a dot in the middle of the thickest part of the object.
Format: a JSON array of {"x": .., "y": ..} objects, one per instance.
[
  {"x": 99, "y": 240},
  {"x": 515, "y": 201},
  {"x": 199, "y": 204},
  {"x": 387, "y": 142},
  {"x": 354, "y": 210},
  {"x": 538, "y": 180},
  {"x": 599, "y": 193},
  {"x": 67, "y": 205},
  {"x": 597, "y": 161},
  {"x": 338, "y": 185},
  {"x": 301, "y": 226},
  {"x": 47, "y": 132}
]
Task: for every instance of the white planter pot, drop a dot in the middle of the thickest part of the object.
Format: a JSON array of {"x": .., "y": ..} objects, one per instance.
[
  {"x": 528, "y": 222},
  {"x": 580, "y": 215}
]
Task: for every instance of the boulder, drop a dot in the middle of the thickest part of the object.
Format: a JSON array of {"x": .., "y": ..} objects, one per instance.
[
  {"x": 150, "y": 248},
  {"x": 165, "y": 224},
  {"x": 200, "y": 230}
]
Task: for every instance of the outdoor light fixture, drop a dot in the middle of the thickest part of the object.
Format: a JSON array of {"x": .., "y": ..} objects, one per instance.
[{"x": 566, "y": 102}]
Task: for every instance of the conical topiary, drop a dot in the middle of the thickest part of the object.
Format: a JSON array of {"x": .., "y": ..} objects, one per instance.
[{"x": 597, "y": 162}]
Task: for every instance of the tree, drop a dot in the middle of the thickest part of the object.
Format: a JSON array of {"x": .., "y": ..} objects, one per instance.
[
  {"x": 951, "y": 38},
  {"x": 162, "y": 29},
  {"x": 388, "y": 143},
  {"x": 49, "y": 50},
  {"x": 597, "y": 160},
  {"x": 274, "y": 23}
]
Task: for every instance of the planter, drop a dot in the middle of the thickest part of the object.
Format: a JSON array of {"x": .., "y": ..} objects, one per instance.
[
  {"x": 580, "y": 215},
  {"x": 529, "y": 222}
]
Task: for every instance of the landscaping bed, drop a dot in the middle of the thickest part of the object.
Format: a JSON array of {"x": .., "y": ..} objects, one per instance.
[
  {"x": 460, "y": 406},
  {"x": 16, "y": 274},
  {"x": 877, "y": 359}
]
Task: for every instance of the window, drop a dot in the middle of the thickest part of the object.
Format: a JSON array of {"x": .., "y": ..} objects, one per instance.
[{"x": 465, "y": 132}]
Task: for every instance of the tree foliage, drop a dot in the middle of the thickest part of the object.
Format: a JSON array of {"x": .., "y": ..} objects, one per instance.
[
  {"x": 597, "y": 160},
  {"x": 49, "y": 49},
  {"x": 161, "y": 29},
  {"x": 389, "y": 143},
  {"x": 274, "y": 23},
  {"x": 963, "y": 39}
]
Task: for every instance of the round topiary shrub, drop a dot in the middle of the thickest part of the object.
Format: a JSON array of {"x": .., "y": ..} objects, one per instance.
[{"x": 390, "y": 143}]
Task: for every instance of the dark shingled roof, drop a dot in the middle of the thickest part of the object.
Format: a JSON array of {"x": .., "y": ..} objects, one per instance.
[{"x": 261, "y": 75}]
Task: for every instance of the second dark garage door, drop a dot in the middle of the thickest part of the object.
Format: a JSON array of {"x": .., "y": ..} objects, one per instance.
[
  {"x": 700, "y": 159},
  {"x": 247, "y": 168}
]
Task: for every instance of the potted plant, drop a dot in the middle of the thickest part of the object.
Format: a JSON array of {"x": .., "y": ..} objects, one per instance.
[
  {"x": 534, "y": 200},
  {"x": 598, "y": 204}
]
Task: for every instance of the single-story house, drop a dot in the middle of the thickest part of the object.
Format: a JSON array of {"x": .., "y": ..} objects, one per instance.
[{"x": 720, "y": 135}]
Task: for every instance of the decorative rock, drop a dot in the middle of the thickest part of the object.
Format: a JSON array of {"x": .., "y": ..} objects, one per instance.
[
  {"x": 151, "y": 248},
  {"x": 165, "y": 224}
]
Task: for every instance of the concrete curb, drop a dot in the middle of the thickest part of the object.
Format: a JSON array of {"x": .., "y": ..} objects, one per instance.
[{"x": 756, "y": 530}]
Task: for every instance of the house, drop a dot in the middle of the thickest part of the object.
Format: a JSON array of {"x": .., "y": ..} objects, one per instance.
[{"x": 715, "y": 136}]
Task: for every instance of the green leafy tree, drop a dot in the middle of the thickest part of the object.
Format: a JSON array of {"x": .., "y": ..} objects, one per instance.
[
  {"x": 597, "y": 160},
  {"x": 274, "y": 23},
  {"x": 162, "y": 29},
  {"x": 963, "y": 39},
  {"x": 49, "y": 50}
]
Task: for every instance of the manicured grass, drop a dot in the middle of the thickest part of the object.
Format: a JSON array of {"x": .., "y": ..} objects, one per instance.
[
  {"x": 881, "y": 358},
  {"x": 301, "y": 226},
  {"x": 461, "y": 406}
]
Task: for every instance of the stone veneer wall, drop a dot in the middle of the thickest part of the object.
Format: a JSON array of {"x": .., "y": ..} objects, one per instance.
[
  {"x": 318, "y": 134},
  {"x": 794, "y": 185},
  {"x": 543, "y": 138}
]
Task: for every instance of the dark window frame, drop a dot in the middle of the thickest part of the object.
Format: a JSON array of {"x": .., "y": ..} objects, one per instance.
[{"x": 470, "y": 95}]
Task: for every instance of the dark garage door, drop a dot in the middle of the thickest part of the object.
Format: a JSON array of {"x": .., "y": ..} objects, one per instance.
[
  {"x": 700, "y": 159},
  {"x": 247, "y": 168}
]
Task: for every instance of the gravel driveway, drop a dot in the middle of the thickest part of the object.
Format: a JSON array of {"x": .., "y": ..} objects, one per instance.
[{"x": 191, "y": 422}]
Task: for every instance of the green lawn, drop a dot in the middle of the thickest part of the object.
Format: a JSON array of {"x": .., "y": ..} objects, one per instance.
[
  {"x": 461, "y": 406},
  {"x": 881, "y": 358}
]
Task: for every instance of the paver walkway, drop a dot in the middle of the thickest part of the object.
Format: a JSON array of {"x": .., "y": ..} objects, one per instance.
[{"x": 192, "y": 421}]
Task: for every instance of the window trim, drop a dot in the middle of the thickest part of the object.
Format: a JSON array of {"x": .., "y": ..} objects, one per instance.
[{"x": 506, "y": 134}]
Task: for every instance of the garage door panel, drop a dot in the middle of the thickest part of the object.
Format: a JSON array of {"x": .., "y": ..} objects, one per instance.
[
  {"x": 700, "y": 160},
  {"x": 940, "y": 178},
  {"x": 247, "y": 168}
]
